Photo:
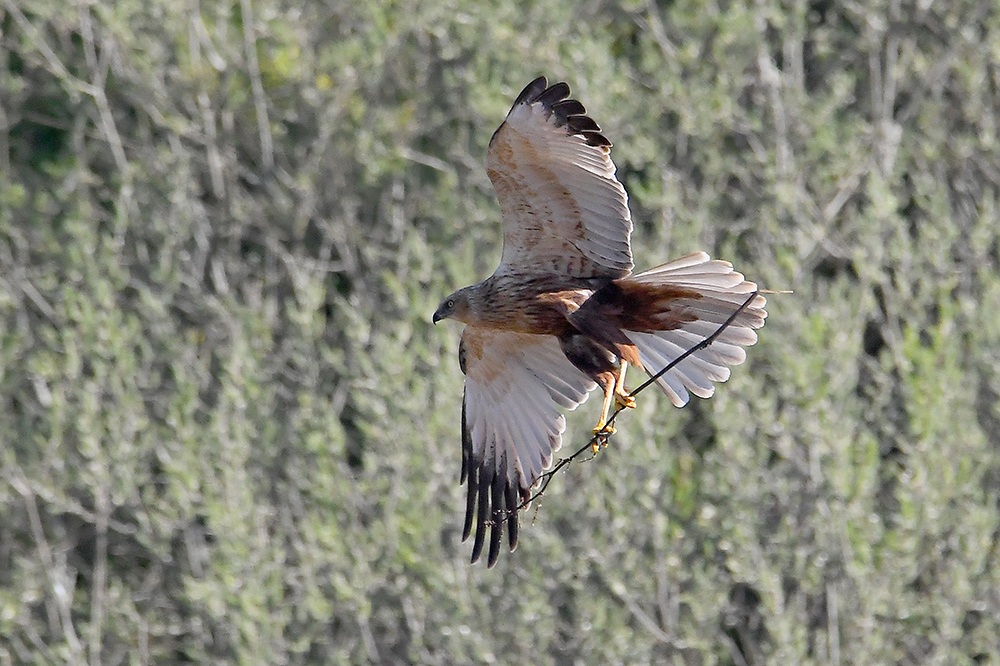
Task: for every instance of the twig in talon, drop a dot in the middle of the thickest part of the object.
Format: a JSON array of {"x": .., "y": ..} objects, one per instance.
[{"x": 600, "y": 439}]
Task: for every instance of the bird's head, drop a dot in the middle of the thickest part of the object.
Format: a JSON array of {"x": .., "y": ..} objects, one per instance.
[{"x": 454, "y": 306}]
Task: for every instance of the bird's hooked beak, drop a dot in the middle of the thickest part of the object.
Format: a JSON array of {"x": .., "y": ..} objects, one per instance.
[{"x": 447, "y": 308}]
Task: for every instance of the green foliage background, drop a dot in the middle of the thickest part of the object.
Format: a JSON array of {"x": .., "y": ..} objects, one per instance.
[{"x": 229, "y": 433}]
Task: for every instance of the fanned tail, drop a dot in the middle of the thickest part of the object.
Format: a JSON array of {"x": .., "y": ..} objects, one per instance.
[
  {"x": 651, "y": 318},
  {"x": 701, "y": 294}
]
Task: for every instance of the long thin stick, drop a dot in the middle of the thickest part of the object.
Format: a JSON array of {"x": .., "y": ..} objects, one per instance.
[{"x": 546, "y": 478}]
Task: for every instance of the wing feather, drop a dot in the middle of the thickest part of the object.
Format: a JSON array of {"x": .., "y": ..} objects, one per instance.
[
  {"x": 515, "y": 388},
  {"x": 563, "y": 209}
]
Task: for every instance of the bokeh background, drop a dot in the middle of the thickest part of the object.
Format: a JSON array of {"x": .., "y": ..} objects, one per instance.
[{"x": 229, "y": 432}]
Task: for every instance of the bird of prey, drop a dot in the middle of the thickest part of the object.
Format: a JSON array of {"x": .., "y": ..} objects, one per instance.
[{"x": 563, "y": 313}]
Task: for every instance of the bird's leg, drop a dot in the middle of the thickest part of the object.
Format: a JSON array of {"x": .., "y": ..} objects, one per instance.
[
  {"x": 603, "y": 429},
  {"x": 622, "y": 398},
  {"x": 613, "y": 390}
]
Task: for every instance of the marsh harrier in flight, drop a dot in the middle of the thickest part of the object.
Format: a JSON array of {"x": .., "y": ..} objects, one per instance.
[{"x": 563, "y": 313}]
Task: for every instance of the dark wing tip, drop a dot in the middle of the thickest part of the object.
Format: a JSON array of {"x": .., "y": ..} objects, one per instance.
[
  {"x": 568, "y": 113},
  {"x": 582, "y": 124},
  {"x": 531, "y": 91},
  {"x": 496, "y": 529},
  {"x": 485, "y": 485},
  {"x": 552, "y": 95},
  {"x": 491, "y": 502},
  {"x": 596, "y": 139},
  {"x": 569, "y": 107},
  {"x": 512, "y": 525},
  {"x": 467, "y": 454},
  {"x": 472, "y": 495}
]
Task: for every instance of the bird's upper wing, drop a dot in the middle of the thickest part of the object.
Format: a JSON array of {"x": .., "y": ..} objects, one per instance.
[
  {"x": 563, "y": 210},
  {"x": 516, "y": 387}
]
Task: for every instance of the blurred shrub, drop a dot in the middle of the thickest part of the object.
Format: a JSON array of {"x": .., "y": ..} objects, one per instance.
[{"x": 230, "y": 433}]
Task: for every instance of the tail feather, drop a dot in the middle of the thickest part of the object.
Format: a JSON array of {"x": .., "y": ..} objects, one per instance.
[
  {"x": 718, "y": 310},
  {"x": 677, "y": 266},
  {"x": 698, "y": 268},
  {"x": 693, "y": 374},
  {"x": 729, "y": 343},
  {"x": 722, "y": 282},
  {"x": 719, "y": 292}
]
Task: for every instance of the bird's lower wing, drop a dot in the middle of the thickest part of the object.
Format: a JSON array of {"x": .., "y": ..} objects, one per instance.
[{"x": 516, "y": 388}]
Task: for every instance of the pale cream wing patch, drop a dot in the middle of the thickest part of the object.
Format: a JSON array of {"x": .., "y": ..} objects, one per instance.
[
  {"x": 517, "y": 386},
  {"x": 564, "y": 211}
]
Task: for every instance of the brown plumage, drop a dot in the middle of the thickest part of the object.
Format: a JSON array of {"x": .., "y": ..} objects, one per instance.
[{"x": 563, "y": 311}]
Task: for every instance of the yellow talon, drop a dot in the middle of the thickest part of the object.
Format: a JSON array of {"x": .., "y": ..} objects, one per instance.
[
  {"x": 622, "y": 398},
  {"x": 601, "y": 434},
  {"x": 624, "y": 401},
  {"x": 601, "y": 431},
  {"x": 614, "y": 390}
]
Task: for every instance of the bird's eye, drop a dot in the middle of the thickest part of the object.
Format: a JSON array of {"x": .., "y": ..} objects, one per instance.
[{"x": 450, "y": 303}]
